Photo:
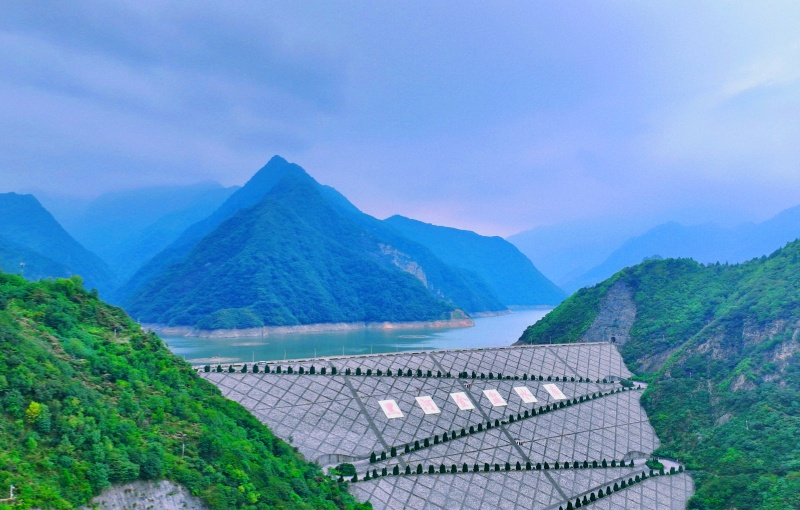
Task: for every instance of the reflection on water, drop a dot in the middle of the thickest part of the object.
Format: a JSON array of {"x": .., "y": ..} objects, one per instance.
[{"x": 497, "y": 331}]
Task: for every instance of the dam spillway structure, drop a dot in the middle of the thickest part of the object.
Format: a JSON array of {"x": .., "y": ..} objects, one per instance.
[{"x": 544, "y": 426}]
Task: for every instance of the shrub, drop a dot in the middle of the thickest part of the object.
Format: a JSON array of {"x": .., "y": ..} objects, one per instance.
[{"x": 346, "y": 469}]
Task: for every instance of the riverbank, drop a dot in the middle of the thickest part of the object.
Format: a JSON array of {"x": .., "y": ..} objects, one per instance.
[{"x": 186, "y": 331}]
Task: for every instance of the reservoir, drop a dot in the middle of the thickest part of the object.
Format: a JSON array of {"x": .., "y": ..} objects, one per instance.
[{"x": 495, "y": 331}]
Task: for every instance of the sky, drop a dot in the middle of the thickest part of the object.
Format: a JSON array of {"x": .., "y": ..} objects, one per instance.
[{"x": 490, "y": 116}]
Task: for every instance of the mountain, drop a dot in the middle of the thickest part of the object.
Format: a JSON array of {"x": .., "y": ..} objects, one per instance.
[
  {"x": 88, "y": 399},
  {"x": 284, "y": 250},
  {"x": 509, "y": 274},
  {"x": 247, "y": 196},
  {"x": 719, "y": 346},
  {"x": 127, "y": 228},
  {"x": 30, "y": 235},
  {"x": 705, "y": 243}
]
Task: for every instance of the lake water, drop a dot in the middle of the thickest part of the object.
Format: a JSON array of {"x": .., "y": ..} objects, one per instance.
[{"x": 498, "y": 331}]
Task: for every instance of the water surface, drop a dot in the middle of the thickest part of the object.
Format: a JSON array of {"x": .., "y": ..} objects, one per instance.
[{"x": 498, "y": 331}]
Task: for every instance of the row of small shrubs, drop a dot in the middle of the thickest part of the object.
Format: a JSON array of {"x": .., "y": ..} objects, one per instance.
[
  {"x": 453, "y": 469},
  {"x": 448, "y": 436},
  {"x": 312, "y": 370},
  {"x": 592, "y": 497}
]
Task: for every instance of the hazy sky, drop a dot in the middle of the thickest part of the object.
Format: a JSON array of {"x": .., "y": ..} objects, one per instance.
[{"x": 492, "y": 116}]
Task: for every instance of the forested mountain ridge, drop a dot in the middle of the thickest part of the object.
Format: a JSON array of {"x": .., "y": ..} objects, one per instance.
[
  {"x": 285, "y": 250},
  {"x": 720, "y": 347},
  {"x": 88, "y": 399},
  {"x": 509, "y": 273},
  {"x": 29, "y": 234},
  {"x": 291, "y": 259}
]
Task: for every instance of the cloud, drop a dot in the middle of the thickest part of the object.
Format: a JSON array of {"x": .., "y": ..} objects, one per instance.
[{"x": 492, "y": 117}]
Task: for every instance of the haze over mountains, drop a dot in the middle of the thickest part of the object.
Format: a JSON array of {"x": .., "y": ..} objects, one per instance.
[
  {"x": 30, "y": 235},
  {"x": 127, "y": 228},
  {"x": 572, "y": 262}
]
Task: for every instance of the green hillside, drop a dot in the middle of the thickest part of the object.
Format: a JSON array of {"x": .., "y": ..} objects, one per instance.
[
  {"x": 719, "y": 346},
  {"x": 27, "y": 229},
  {"x": 291, "y": 259},
  {"x": 245, "y": 197},
  {"x": 507, "y": 272},
  {"x": 87, "y": 399}
]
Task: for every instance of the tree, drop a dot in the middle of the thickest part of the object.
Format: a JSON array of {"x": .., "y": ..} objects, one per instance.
[
  {"x": 32, "y": 412},
  {"x": 396, "y": 470},
  {"x": 207, "y": 368},
  {"x": 255, "y": 369},
  {"x": 244, "y": 368}
]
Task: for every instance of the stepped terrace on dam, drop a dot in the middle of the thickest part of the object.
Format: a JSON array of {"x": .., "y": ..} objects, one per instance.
[{"x": 546, "y": 426}]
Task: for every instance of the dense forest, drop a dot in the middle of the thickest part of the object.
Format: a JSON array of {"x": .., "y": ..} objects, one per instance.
[
  {"x": 719, "y": 346},
  {"x": 89, "y": 399}
]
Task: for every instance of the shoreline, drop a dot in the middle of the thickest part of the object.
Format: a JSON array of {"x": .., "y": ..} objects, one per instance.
[{"x": 187, "y": 331}]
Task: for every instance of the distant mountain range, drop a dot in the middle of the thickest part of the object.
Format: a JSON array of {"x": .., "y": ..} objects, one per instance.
[
  {"x": 285, "y": 250},
  {"x": 510, "y": 275},
  {"x": 708, "y": 243},
  {"x": 127, "y": 228},
  {"x": 34, "y": 244}
]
